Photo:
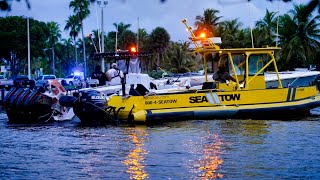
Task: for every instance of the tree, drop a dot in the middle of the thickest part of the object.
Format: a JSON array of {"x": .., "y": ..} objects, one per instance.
[
  {"x": 73, "y": 24},
  {"x": 180, "y": 59},
  {"x": 299, "y": 42},
  {"x": 159, "y": 42},
  {"x": 208, "y": 22},
  {"x": 268, "y": 24},
  {"x": 14, "y": 34},
  {"x": 65, "y": 47},
  {"x": 143, "y": 37},
  {"x": 121, "y": 27},
  {"x": 127, "y": 39},
  {"x": 54, "y": 37},
  {"x": 81, "y": 8},
  {"x": 229, "y": 32}
]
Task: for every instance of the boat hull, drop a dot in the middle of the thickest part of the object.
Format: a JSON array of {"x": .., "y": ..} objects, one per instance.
[
  {"x": 282, "y": 111},
  {"x": 281, "y": 103}
]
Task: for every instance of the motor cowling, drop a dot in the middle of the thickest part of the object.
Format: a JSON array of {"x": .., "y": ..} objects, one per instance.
[
  {"x": 93, "y": 97},
  {"x": 90, "y": 107}
]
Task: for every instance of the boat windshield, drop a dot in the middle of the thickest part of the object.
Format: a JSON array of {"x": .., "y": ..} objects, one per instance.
[
  {"x": 256, "y": 63},
  {"x": 238, "y": 61}
]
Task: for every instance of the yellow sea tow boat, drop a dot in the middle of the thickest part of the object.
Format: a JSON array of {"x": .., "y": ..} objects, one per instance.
[{"x": 247, "y": 97}]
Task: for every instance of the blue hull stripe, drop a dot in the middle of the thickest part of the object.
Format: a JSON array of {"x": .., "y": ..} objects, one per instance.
[
  {"x": 293, "y": 93},
  {"x": 289, "y": 94}
]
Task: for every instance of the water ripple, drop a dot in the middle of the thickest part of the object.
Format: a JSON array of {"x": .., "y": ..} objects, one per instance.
[{"x": 230, "y": 149}]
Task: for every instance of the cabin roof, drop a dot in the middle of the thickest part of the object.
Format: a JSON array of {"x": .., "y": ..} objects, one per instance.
[
  {"x": 120, "y": 55},
  {"x": 235, "y": 50}
]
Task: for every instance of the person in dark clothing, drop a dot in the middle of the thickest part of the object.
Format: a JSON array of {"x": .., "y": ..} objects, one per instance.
[
  {"x": 98, "y": 74},
  {"x": 222, "y": 75}
]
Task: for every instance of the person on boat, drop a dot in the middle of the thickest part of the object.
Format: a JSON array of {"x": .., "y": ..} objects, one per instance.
[
  {"x": 222, "y": 75},
  {"x": 114, "y": 71},
  {"x": 98, "y": 74}
]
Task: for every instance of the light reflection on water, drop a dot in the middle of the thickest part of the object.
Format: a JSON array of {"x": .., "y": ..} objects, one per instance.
[
  {"x": 228, "y": 149},
  {"x": 211, "y": 160},
  {"x": 135, "y": 160}
]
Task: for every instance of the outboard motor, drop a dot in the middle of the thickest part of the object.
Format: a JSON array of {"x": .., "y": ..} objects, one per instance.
[
  {"x": 28, "y": 106},
  {"x": 22, "y": 97},
  {"x": 15, "y": 96},
  {"x": 7, "y": 98},
  {"x": 90, "y": 107}
]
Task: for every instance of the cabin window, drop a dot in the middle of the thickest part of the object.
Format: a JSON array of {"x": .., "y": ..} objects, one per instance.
[
  {"x": 239, "y": 64},
  {"x": 256, "y": 63},
  {"x": 238, "y": 61}
]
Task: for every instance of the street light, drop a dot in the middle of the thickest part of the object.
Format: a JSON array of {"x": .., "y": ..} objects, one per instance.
[{"x": 102, "y": 4}]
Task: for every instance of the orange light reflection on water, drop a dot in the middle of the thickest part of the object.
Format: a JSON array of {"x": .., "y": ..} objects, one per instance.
[
  {"x": 210, "y": 162},
  {"x": 135, "y": 159}
]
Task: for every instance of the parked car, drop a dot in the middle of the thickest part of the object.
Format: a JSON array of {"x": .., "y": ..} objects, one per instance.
[
  {"x": 45, "y": 80},
  {"x": 5, "y": 83},
  {"x": 73, "y": 80},
  {"x": 23, "y": 81}
]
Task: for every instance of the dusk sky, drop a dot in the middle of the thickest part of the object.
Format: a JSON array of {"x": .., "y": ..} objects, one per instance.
[{"x": 151, "y": 13}]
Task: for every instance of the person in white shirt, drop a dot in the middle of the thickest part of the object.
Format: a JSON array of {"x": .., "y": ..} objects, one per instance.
[
  {"x": 115, "y": 75},
  {"x": 113, "y": 72}
]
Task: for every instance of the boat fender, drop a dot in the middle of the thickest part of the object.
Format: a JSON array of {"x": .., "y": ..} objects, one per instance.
[
  {"x": 67, "y": 101},
  {"x": 140, "y": 116}
]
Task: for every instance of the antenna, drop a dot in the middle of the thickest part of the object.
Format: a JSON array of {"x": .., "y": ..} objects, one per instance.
[
  {"x": 250, "y": 25},
  {"x": 116, "y": 45},
  {"x": 98, "y": 29},
  {"x": 277, "y": 26},
  {"x": 138, "y": 36}
]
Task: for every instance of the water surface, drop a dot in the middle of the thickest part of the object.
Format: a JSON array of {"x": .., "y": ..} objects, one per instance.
[{"x": 228, "y": 149}]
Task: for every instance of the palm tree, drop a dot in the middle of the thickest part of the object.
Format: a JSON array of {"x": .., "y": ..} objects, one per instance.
[
  {"x": 208, "y": 22},
  {"x": 300, "y": 41},
  {"x": 180, "y": 59},
  {"x": 268, "y": 24},
  {"x": 229, "y": 32},
  {"x": 143, "y": 35},
  {"x": 159, "y": 42},
  {"x": 127, "y": 40},
  {"x": 67, "y": 48},
  {"x": 81, "y": 8},
  {"x": 73, "y": 24},
  {"x": 54, "y": 36},
  {"x": 120, "y": 29}
]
